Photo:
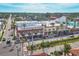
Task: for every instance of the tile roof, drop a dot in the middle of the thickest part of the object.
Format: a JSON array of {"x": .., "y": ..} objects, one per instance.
[{"x": 75, "y": 51}]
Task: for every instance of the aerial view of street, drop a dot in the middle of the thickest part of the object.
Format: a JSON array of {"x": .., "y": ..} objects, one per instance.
[{"x": 37, "y": 30}]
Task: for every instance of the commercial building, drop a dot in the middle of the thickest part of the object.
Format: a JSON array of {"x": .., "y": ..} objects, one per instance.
[
  {"x": 29, "y": 29},
  {"x": 74, "y": 52},
  {"x": 0, "y": 26},
  {"x": 73, "y": 23},
  {"x": 1, "y": 22},
  {"x": 38, "y": 29}
]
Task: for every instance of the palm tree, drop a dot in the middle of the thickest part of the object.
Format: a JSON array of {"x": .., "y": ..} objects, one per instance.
[
  {"x": 42, "y": 46},
  {"x": 22, "y": 40},
  {"x": 61, "y": 25},
  {"x": 57, "y": 53},
  {"x": 57, "y": 28},
  {"x": 67, "y": 47},
  {"x": 32, "y": 45}
]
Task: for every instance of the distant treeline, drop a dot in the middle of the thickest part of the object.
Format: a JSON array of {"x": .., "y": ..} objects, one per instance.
[{"x": 44, "y": 15}]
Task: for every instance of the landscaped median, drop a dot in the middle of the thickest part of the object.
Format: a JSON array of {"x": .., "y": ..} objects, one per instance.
[
  {"x": 53, "y": 43},
  {"x": 1, "y": 35},
  {"x": 2, "y": 32}
]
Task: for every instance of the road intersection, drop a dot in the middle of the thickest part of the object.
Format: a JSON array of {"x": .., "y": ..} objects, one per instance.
[{"x": 7, "y": 35}]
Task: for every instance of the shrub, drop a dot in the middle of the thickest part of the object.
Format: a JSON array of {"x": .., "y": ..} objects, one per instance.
[
  {"x": 58, "y": 53},
  {"x": 14, "y": 38},
  {"x": 67, "y": 47},
  {"x": 51, "y": 53},
  {"x": 3, "y": 39}
]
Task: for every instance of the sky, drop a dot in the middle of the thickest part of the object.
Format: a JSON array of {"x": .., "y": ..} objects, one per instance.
[{"x": 40, "y": 7}]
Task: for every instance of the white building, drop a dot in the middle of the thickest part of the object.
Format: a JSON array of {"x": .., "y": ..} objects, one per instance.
[
  {"x": 1, "y": 25},
  {"x": 1, "y": 22},
  {"x": 28, "y": 25},
  {"x": 61, "y": 19},
  {"x": 37, "y": 27}
]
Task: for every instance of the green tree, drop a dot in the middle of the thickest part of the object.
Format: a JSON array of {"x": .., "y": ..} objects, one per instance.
[
  {"x": 17, "y": 19},
  {"x": 57, "y": 53},
  {"x": 48, "y": 14},
  {"x": 67, "y": 47},
  {"x": 22, "y": 40},
  {"x": 4, "y": 39},
  {"x": 42, "y": 45},
  {"x": 51, "y": 53}
]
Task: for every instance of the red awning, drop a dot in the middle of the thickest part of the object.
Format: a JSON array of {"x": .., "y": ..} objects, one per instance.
[{"x": 28, "y": 30}]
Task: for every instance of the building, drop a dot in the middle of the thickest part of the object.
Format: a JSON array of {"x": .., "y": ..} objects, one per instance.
[
  {"x": 1, "y": 22},
  {"x": 73, "y": 23},
  {"x": 74, "y": 52},
  {"x": 60, "y": 20},
  {"x": 38, "y": 29},
  {"x": 1, "y": 19},
  {"x": 1, "y": 25},
  {"x": 29, "y": 29},
  {"x": 48, "y": 27}
]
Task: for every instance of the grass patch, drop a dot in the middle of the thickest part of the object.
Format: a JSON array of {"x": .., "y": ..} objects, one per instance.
[
  {"x": 1, "y": 35},
  {"x": 55, "y": 43},
  {"x": 2, "y": 32}
]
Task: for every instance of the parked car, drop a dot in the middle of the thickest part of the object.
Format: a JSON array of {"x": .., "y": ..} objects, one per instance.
[{"x": 11, "y": 35}]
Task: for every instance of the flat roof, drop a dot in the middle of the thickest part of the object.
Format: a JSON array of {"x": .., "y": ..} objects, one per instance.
[
  {"x": 21, "y": 25},
  {"x": 28, "y": 25}
]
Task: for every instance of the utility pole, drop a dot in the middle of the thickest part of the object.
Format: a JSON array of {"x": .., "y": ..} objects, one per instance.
[
  {"x": 43, "y": 35},
  {"x": 32, "y": 44},
  {"x": 28, "y": 45}
]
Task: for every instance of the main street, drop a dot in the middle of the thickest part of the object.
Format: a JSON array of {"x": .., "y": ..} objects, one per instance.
[
  {"x": 7, "y": 32},
  {"x": 7, "y": 35}
]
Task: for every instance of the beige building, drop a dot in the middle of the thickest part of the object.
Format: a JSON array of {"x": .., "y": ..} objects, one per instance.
[{"x": 40, "y": 28}]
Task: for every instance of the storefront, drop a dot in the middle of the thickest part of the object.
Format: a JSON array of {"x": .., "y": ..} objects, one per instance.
[{"x": 73, "y": 24}]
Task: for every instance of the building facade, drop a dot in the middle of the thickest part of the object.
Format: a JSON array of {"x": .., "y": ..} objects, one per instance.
[{"x": 38, "y": 29}]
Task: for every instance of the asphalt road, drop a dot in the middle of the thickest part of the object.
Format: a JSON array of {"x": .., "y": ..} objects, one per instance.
[
  {"x": 8, "y": 26},
  {"x": 7, "y": 35}
]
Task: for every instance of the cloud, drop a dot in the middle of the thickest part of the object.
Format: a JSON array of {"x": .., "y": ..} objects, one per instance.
[{"x": 39, "y": 7}]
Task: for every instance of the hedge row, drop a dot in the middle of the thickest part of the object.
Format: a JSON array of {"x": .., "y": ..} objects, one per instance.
[
  {"x": 52, "y": 43},
  {"x": 1, "y": 35}
]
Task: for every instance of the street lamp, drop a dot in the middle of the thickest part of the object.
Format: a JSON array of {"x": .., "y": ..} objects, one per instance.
[{"x": 28, "y": 45}]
